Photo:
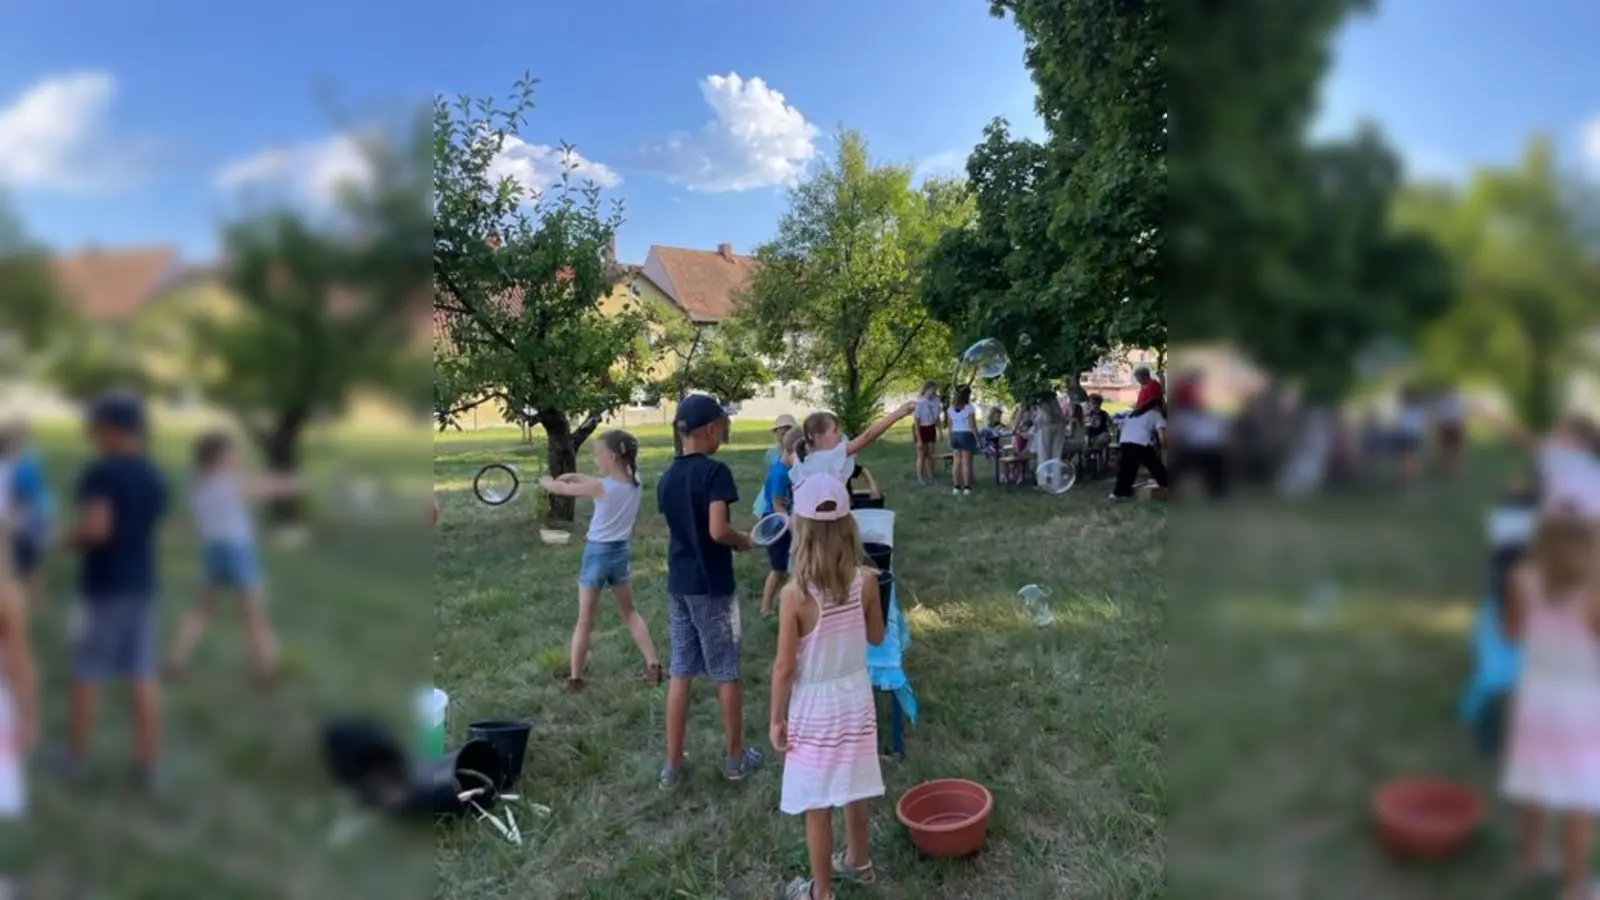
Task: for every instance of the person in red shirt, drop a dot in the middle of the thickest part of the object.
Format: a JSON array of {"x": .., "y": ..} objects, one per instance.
[{"x": 1151, "y": 393}]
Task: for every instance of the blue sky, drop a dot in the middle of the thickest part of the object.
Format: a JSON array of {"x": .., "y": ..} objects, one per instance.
[
  {"x": 116, "y": 124},
  {"x": 200, "y": 86},
  {"x": 1458, "y": 85}
]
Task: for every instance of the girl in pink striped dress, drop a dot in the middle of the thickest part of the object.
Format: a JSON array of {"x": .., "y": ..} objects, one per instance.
[
  {"x": 1553, "y": 764},
  {"x": 823, "y": 716}
]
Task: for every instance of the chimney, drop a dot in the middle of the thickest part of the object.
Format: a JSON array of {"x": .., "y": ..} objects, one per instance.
[
  {"x": 726, "y": 251},
  {"x": 611, "y": 250}
]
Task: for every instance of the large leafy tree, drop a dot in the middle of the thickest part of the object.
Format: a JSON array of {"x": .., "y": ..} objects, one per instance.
[
  {"x": 1288, "y": 248},
  {"x": 519, "y": 277},
  {"x": 722, "y": 359},
  {"x": 1524, "y": 241},
  {"x": 323, "y": 305},
  {"x": 1061, "y": 264},
  {"x": 838, "y": 292}
]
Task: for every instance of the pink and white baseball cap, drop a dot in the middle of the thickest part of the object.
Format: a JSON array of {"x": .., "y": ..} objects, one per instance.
[{"x": 822, "y": 498}]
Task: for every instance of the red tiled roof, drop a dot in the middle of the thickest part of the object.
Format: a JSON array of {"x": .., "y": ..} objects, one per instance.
[
  {"x": 115, "y": 285},
  {"x": 705, "y": 283}
]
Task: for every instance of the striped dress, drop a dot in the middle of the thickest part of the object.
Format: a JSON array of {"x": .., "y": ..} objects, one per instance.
[
  {"x": 1554, "y": 758},
  {"x": 832, "y": 757}
]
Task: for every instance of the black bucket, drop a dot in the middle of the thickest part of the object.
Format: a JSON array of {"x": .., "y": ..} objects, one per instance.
[
  {"x": 881, "y": 557},
  {"x": 510, "y": 739},
  {"x": 439, "y": 784},
  {"x": 362, "y": 756}
]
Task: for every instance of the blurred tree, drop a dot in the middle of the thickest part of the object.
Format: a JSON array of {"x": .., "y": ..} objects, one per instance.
[
  {"x": 1524, "y": 241},
  {"x": 31, "y": 312},
  {"x": 322, "y": 307},
  {"x": 519, "y": 280},
  {"x": 1288, "y": 249},
  {"x": 838, "y": 293},
  {"x": 1061, "y": 263}
]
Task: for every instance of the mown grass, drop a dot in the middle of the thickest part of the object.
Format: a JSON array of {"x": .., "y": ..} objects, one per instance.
[{"x": 1064, "y": 723}]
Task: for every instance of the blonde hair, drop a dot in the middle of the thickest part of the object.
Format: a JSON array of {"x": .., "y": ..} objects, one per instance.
[
  {"x": 1563, "y": 550},
  {"x": 827, "y": 556},
  {"x": 794, "y": 442}
]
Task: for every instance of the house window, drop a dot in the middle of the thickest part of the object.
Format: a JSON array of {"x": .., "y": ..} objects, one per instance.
[{"x": 1106, "y": 371}]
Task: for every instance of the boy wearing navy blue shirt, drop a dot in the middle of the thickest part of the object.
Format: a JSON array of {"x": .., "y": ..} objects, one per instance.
[
  {"x": 121, "y": 498},
  {"x": 695, "y": 495}
]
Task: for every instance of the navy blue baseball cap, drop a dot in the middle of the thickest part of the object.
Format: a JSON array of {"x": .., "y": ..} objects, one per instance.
[
  {"x": 122, "y": 411},
  {"x": 699, "y": 410}
]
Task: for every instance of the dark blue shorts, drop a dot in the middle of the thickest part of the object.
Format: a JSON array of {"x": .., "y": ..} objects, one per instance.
[
  {"x": 234, "y": 566},
  {"x": 778, "y": 553},
  {"x": 114, "y": 639},
  {"x": 705, "y": 637},
  {"x": 27, "y": 552},
  {"x": 963, "y": 442}
]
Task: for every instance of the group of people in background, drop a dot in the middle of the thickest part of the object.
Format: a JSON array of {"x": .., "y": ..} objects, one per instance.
[{"x": 1058, "y": 429}]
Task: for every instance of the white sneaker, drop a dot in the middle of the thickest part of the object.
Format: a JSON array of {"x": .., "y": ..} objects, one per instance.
[{"x": 955, "y": 492}]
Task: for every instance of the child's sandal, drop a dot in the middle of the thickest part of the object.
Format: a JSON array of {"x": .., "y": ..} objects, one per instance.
[
  {"x": 843, "y": 871},
  {"x": 801, "y": 889}
]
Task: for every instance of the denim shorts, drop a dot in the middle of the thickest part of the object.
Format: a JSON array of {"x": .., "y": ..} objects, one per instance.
[
  {"x": 233, "y": 566},
  {"x": 27, "y": 552},
  {"x": 963, "y": 442},
  {"x": 606, "y": 564},
  {"x": 705, "y": 637},
  {"x": 114, "y": 638}
]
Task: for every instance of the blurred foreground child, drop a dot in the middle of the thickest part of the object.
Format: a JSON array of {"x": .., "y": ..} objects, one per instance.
[
  {"x": 1553, "y": 760},
  {"x": 1486, "y": 701},
  {"x": 823, "y": 716},
  {"x": 776, "y": 496},
  {"x": 19, "y": 716},
  {"x": 220, "y": 498},
  {"x": 122, "y": 498}
]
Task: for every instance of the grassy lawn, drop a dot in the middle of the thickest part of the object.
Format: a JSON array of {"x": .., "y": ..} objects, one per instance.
[{"x": 1064, "y": 724}]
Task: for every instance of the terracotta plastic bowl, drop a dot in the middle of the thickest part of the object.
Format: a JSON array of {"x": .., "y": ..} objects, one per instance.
[
  {"x": 947, "y": 818},
  {"x": 1427, "y": 818}
]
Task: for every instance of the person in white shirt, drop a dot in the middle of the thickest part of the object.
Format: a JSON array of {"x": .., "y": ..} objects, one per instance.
[
  {"x": 608, "y": 554},
  {"x": 963, "y": 440},
  {"x": 926, "y": 418},
  {"x": 1141, "y": 435},
  {"x": 220, "y": 500}
]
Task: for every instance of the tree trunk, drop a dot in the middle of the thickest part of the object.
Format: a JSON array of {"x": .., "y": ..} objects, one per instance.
[
  {"x": 561, "y": 457},
  {"x": 281, "y": 449},
  {"x": 1075, "y": 389}
]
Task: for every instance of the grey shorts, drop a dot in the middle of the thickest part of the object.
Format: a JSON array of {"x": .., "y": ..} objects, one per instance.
[
  {"x": 705, "y": 637},
  {"x": 114, "y": 639}
]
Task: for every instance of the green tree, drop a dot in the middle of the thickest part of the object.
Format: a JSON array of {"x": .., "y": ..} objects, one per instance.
[
  {"x": 838, "y": 292},
  {"x": 1523, "y": 241},
  {"x": 32, "y": 314},
  {"x": 322, "y": 305},
  {"x": 1289, "y": 250},
  {"x": 722, "y": 359},
  {"x": 1061, "y": 263},
  {"x": 518, "y": 285}
]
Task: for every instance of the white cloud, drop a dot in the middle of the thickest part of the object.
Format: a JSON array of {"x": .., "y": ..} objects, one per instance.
[
  {"x": 1591, "y": 142},
  {"x": 54, "y": 135},
  {"x": 755, "y": 140},
  {"x": 316, "y": 171},
  {"x": 538, "y": 166}
]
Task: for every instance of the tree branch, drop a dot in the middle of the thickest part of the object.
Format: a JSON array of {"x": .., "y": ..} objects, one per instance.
[
  {"x": 905, "y": 346},
  {"x": 471, "y": 309}
]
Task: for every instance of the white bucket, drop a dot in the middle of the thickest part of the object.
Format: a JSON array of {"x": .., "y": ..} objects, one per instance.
[{"x": 876, "y": 526}]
